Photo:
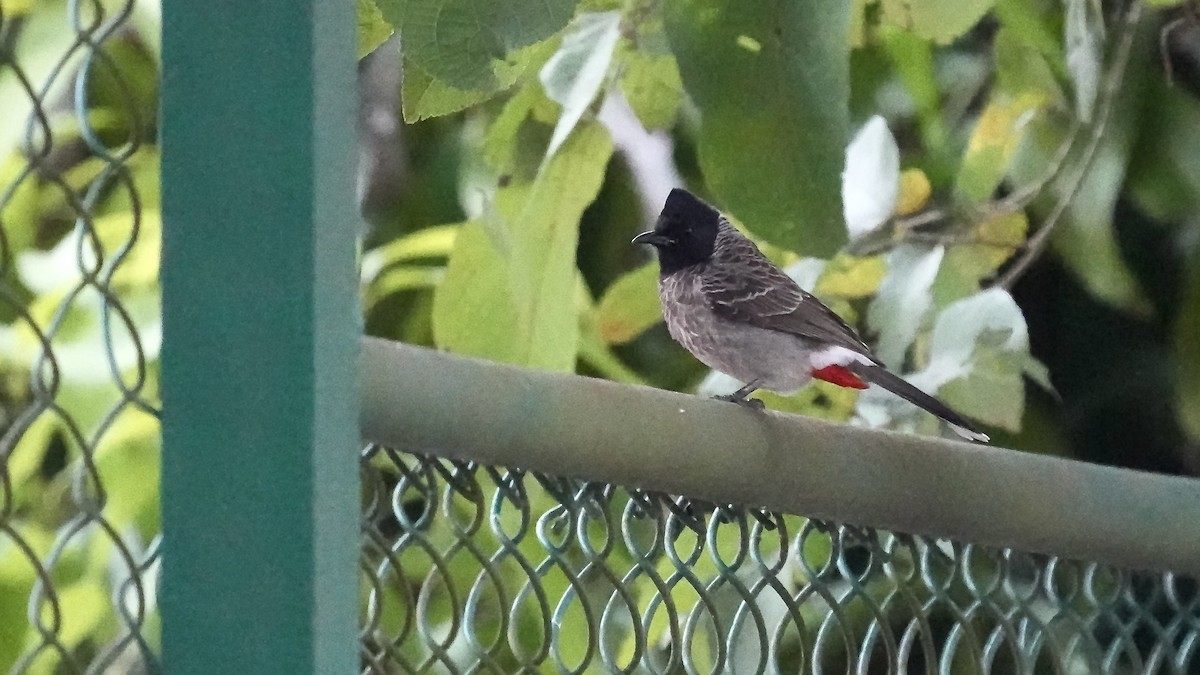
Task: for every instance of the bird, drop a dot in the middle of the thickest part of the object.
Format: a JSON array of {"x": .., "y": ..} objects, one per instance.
[{"x": 739, "y": 314}]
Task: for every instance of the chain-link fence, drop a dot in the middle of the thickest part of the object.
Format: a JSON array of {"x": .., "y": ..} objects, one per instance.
[
  {"x": 79, "y": 316},
  {"x": 472, "y": 568}
]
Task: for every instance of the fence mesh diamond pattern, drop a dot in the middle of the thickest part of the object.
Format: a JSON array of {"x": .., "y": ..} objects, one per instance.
[
  {"x": 471, "y": 568},
  {"x": 79, "y": 308}
]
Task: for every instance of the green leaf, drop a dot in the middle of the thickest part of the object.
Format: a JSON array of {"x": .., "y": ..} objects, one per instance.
[
  {"x": 652, "y": 86},
  {"x": 993, "y": 393},
  {"x": 994, "y": 142},
  {"x": 1164, "y": 176},
  {"x": 574, "y": 75},
  {"x": 128, "y": 459},
  {"x": 778, "y": 168},
  {"x": 373, "y": 30},
  {"x": 978, "y": 354},
  {"x": 15, "y": 8},
  {"x": 515, "y": 142},
  {"x": 24, "y": 460},
  {"x": 594, "y": 350},
  {"x": 965, "y": 266},
  {"x": 939, "y": 20},
  {"x": 1085, "y": 239},
  {"x": 457, "y": 41},
  {"x": 473, "y": 309},
  {"x": 84, "y": 608},
  {"x": 629, "y": 306},
  {"x": 503, "y": 295},
  {"x": 1022, "y": 68},
  {"x": 425, "y": 96},
  {"x": 912, "y": 58},
  {"x": 545, "y": 233},
  {"x": 430, "y": 242},
  {"x": 1186, "y": 338},
  {"x": 19, "y": 212},
  {"x": 1026, "y": 87},
  {"x": 849, "y": 277},
  {"x": 1036, "y": 23},
  {"x": 17, "y": 576},
  {"x": 400, "y": 278}
]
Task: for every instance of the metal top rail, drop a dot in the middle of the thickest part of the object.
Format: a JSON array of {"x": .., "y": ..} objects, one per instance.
[{"x": 425, "y": 401}]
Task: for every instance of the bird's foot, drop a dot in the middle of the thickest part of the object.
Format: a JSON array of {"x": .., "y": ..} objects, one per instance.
[{"x": 752, "y": 403}]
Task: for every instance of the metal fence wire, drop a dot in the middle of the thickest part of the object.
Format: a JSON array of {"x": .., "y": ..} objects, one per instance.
[
  {"x": 470, "y": 568},
  {"x": 79, "y": 317}
]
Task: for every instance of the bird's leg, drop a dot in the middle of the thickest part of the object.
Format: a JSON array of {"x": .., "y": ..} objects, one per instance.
[{"x": 739, "y": 396}]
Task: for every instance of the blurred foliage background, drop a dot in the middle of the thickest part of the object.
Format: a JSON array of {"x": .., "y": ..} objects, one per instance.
[
  {"x": 1002, "y": 195},
  {"x": 1018, "y": 227}
]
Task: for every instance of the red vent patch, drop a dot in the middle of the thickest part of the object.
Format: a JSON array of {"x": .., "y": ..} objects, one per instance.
[{"x": 840, "y": 376}]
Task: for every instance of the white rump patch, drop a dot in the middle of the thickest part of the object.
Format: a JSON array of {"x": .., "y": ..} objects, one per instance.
[{"x": 837, "y": 356}]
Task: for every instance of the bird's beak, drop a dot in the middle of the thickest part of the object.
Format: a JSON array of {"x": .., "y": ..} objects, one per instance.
[{"x": 652, "y": 238}]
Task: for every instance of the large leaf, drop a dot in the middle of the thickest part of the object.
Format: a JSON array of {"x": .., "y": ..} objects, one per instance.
[
  {"x": 1086, "y": 241},
  {"x": 850, "y": 277},
  {"x": 457, "y": 41},
  {"x": 506, "y": 294},
  {"x": 1025, "y": 86},
  {"x": 629, "y": 306},
  {"x": 373, "y": 30},
  {"x": 771, "y": 80},
  {"x": 473, "y": 309},
  {"x": 1164, "y": 176},
  {"x": 978, "y": 356},
  {"x": 425, "y": 96},
  {"x": 652, "y": 87},
  {"x": 545, "y": 234},
  {"x": 937, "y": 20},
  {"x": 993, "y": 143},
  {"x": 430, "y": 242}
]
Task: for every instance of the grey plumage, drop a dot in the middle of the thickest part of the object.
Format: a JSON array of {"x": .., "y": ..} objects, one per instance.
[{"x": 738, "y": 313}]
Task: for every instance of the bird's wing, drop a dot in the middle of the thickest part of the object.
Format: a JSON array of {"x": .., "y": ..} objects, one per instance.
[{"x": 741, "y": 285}]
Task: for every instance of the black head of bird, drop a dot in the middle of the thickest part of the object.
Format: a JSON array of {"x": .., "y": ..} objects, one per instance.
[{"x": 685, "y": 232}]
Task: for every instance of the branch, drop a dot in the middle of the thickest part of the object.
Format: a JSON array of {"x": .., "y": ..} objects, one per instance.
[{"x": 1037, "y": 243}]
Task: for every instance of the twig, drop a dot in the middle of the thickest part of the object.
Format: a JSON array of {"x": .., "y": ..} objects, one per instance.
[
  {"x": 1190, "y": 12},
  {"x": 1037, "y": 243},
  {"x": 1018, "y": 199},
  {"x": 931, "y": 238},
  {"x": 918, "y": 219}
]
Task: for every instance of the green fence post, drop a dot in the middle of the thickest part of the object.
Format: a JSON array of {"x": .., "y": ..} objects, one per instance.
[{"x": 260, "y": 478}]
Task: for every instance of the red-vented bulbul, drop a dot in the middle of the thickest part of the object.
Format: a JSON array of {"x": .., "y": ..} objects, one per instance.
[{"x": 743, "y": 316}]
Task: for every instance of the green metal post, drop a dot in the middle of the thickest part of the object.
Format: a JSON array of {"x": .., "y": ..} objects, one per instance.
[{"x": 260, "y": 491}]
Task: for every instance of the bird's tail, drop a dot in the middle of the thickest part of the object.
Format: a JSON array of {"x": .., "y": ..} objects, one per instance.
[{"x": 880, "y": 376}]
